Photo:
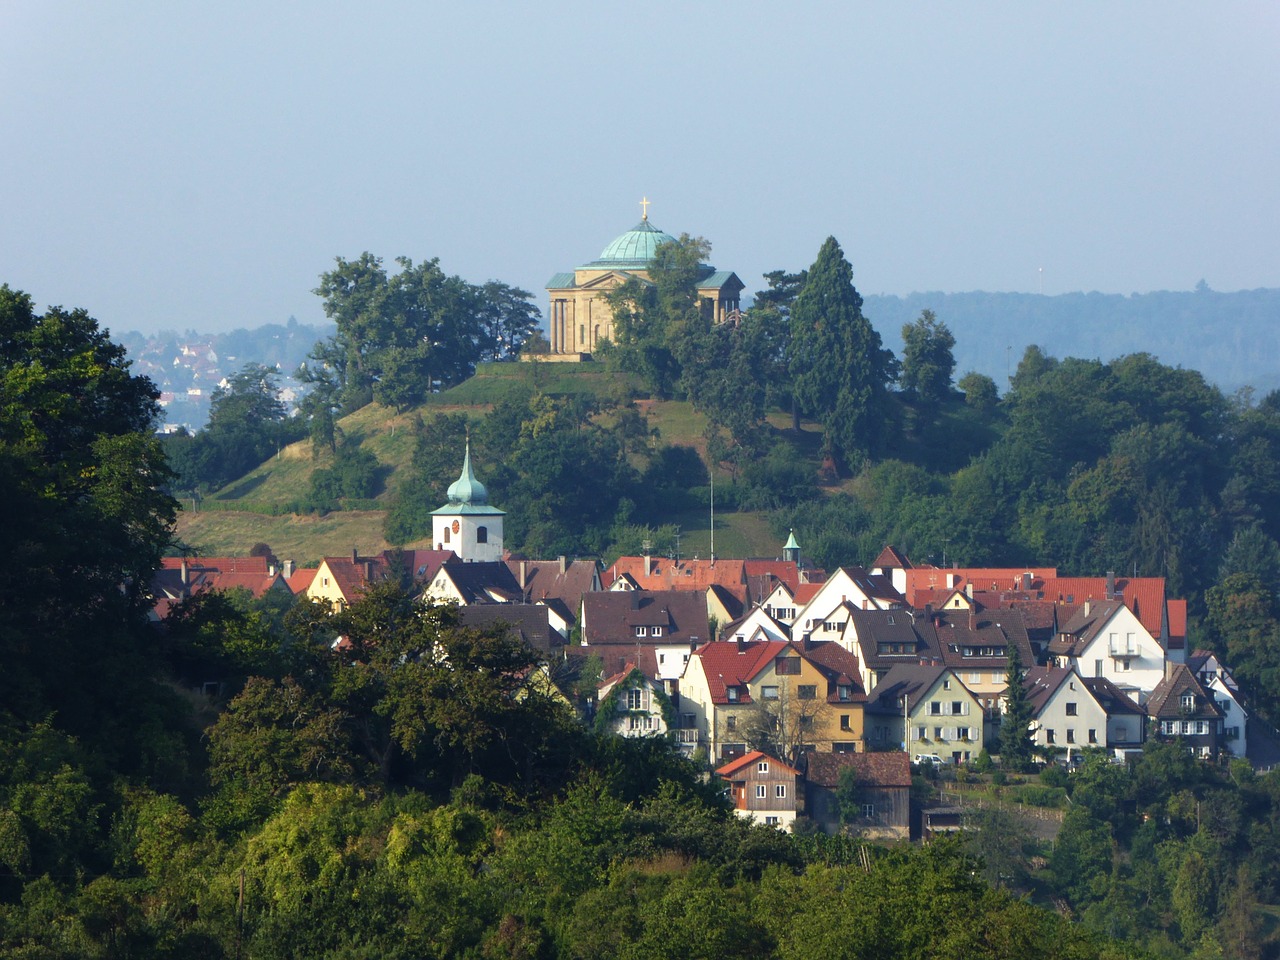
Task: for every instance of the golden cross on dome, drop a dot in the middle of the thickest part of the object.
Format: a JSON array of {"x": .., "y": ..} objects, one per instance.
[{"x": 644, "y": 208}]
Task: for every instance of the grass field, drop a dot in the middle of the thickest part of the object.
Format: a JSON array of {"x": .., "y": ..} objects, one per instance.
[{"x": 302, "y": 538}]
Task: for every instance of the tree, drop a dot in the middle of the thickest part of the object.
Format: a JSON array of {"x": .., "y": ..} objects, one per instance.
[
  {"x": 839, "y": 370},
  {"x": 1016, "y": 743},
  {"x": 927, "y": 361},
  {"x": 979, "y": 391},
  {"x": 783, "y": 725}
]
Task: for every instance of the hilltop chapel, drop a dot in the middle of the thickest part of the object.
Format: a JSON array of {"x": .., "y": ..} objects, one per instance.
[{"x": 580, "y": 314}]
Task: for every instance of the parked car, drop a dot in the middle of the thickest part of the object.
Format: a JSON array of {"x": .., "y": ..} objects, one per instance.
[{"x": 930, "y": 758}]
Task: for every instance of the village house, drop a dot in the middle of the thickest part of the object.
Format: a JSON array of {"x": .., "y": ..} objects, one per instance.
[
  {"x": 799, "y": 696},
  {"x": 631, "y": 704},
  {"x": 1217, "y": 680},
  {"x": 1182, "y": 710},
  {"x": 617, "y": 625},
  {"x": 882, "y": 793},
  {"x": 762, "y": 788},
  {"x": 927, "y": 711},
  {"x": 825, "y": 616},
  {"x": 1065, "y": 716},
  {"x": 1106, "y": 639},
  {"x": 883, "y": 639}
]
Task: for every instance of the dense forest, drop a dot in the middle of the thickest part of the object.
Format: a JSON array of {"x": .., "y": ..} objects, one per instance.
[{"x": 413, "y": 792}]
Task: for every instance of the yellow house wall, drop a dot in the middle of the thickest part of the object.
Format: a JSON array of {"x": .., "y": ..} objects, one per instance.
[{"x": 324, "y": 586}]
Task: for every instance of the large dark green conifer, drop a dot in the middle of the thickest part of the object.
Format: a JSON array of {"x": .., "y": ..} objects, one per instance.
[
  {"x": 1016, "y": 745},
  {"x": 839, "y": 370}
]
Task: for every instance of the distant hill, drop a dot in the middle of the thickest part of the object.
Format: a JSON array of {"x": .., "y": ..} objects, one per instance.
[{"x": 1229, "y": 337}]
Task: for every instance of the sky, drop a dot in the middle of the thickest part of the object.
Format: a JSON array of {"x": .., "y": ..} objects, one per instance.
[{"x": 181, "y": 165}]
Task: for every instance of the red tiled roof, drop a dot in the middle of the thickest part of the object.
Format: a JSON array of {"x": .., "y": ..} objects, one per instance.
[
  {"x": 727, "y": 663},
  {"x": 302, "y": 578},
  {"x": 805, "y": 592},
  {"x": 1177, "y": 624},
  {"x": 667, "y": 574},
  {"x": 890, "y": 559},
  {"x": 733, "y": 766}
]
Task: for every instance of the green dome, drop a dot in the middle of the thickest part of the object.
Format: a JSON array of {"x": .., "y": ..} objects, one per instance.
[
  {"x": 467, "y": 489},
  {"x": 634, "y": 249}
]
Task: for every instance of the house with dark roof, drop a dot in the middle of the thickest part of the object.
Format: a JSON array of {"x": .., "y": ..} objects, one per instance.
[
  {"x": 883, "y": 639},
  {"x": 559, "y": 584},
  {"x": 762, "y": 788},
  {"x": 1105, "y": 638},
  {"x": 976, "y": 642},
  {"x": 180, "y": 578},
  {"x": 631, "y": 704},
  {"x": 825, "y": 616},
  {"x": 1065, "y": 716},
  {"x": 1126, "y": 721},
  {"x": 1214, "y": 676},
  {"x": 882, "y": 785},
  {"x": 927, "y": 709},
  {"x": 617, "y": 625},
  {"x": 1182, "y": 710},
  {"x": 527, "y": 623},
  {"x": 468, "y": 582}
]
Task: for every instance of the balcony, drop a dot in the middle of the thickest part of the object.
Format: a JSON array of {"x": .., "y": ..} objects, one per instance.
[
  {"x": 689, "y": 737},
  {"x": 1124, "y": 649}
]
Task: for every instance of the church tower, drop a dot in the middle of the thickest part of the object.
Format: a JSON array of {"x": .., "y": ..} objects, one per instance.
[{"x": 467, "y": 525}]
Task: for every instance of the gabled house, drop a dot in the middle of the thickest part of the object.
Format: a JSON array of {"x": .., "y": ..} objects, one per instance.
[
  {"x": 631, "y": 704},
  {"x": 1217, "y": 679},
  {"x": 825, "y": 616},
  {"x": 1126, "y": 721},
  {"x": 559, "y": 585},
  {"x": 1182, "y": 709},
  {"x": 756, "y": 626},
  {"x": 470, "y": 582},
  {"x": 894, "y": 565},
  {"x": 1065, "y": 715},
  {"x": 883, "y": 639},
  {"x": 182, "y": 577},
  {"x": 762, "y": 788},
  {"x": 796, "y": 696},
  {"x": 617, "y": 624},
  {"x": 882, "y": 782},
  {"x": 926, "y": 709},
  {"x": 341, "y": 580},
  {"x": 1106, "y": 639},
  {"x": 975, "y": 643}
]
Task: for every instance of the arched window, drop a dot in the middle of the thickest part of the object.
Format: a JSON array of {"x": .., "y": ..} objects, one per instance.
[
  {"x": 482, "y": 534},
  {"x": 446, "y": 534}
]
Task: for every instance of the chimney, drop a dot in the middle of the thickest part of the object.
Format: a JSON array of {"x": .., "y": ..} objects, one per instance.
[
  {"x": 1026, "y": 580},
  {"x": 973, "y": 619},
  {"x": 564, "y": 563},
  {"x": 184, "y": 574},
  {"x": 271, "y": 569},
  {"x": 355, "y": 556},
  {"x": 524, "y": 575},
  {"x": 368, "y": 570},
  {"x": 742, "y": 645},
  {"x": 648, "y": 565},
  {"x": 288, "y": 569},
  {"x": 1088, "y": 607},
  {"x": 1111, "y": 584},
  {"x": 968, "y": 589}
]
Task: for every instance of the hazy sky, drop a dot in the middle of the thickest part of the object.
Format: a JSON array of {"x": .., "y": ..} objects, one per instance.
[{"x": 197, "y": 165}]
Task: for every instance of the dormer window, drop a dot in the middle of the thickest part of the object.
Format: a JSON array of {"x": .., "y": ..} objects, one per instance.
[
  {"x": 642, "y": 631},
  {"x": 657, "y": 631},
  {"x": 845, "y": 691},
  {"x": 731, "y": 693},
  {"x": 1188, "y": 701}
]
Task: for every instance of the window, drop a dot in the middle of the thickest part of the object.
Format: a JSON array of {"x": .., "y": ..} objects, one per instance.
[
  {"x": 807, "y": 691},
  {"x": 962, "y": 733},
  {"x": 761, "y": 791},
  {"x": 1188, "y": 701},
  {"x": 762, "y": 766},
  {"x": 1097, "y": 668},
  {"x": 786, "y": 666},
  {"x": 769, "y": 693},
  {"x": 844, "y": 721},
  {"x": 975, "y": 677},
  {"x": 1071, "y": 735},
  {"x": 731, "y": 694},
  {"x": 446, "y": 539},
  {"x": 1202, "y": 727},
  {"x": 957, "y": 708},
  {"x": 642, "y": 631},
  {"x": 770, "y": 821},
  {"x": 657, "y": 631},
  {"x": 1093, "y": 736},
  {"x": 780, "y": 791},
  {"x": 1071, "y": 710},
  {"x": 731, "y": 722},
  {"x": 846, "y": 692},
  {"x": 806, "y": 723},
  {"x": 635, "y": 699},
  {"x": 1186, "y": 728},
  {"x": 868, "y": 810},
  {"x": 935, "y": 709},
  {"x": 920, "y": 734},
  {"x": 482, "y": 534},
  {"x": 1049, "y": 736},
  {"x": 946, "y": 684},
  {"x": 937, "y": 733}
]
